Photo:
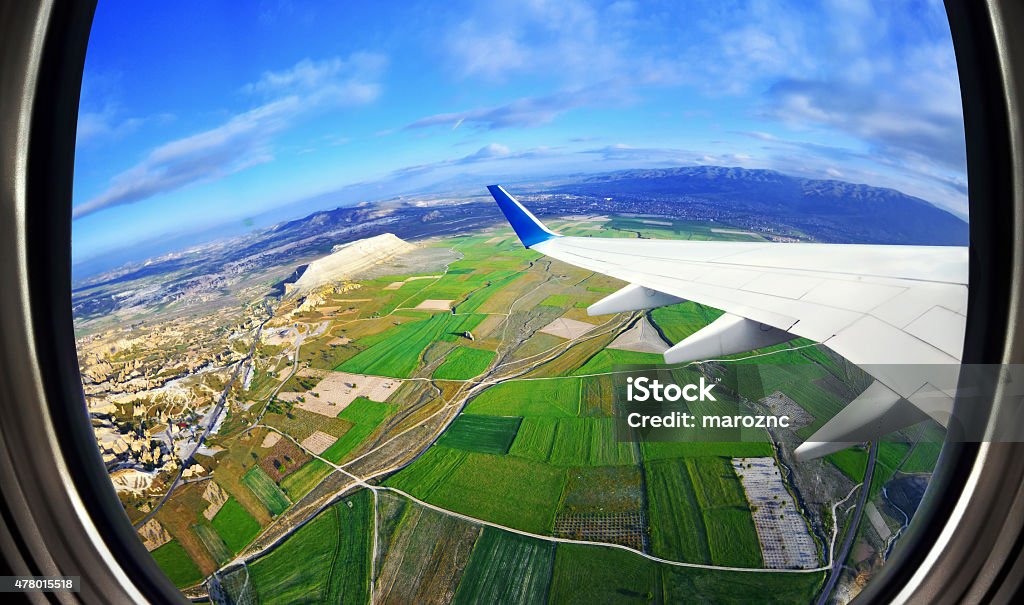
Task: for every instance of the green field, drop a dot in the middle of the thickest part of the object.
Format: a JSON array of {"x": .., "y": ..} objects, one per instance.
[
  {"x": 700, "y": 514},
  {"x": 211, "y": 540},
  {"x": 562, "y": 301},
  {"x": 892, "y": 453},
  {"x": 606, "y": 360},
  {"x": 890, "y": 456},
  {"x": 365, "y": 416},
  {"x": 589, "y": 574},
  {"x": 732, "y": 537},
  {"x": 176, "y": 563},
  {"x": 235, "y": 525},
  {"x": 679, "y": 321},
  {"x": 397, "y": 351},
  {"x": 738, "y": 588},
  {"x": 923, "y": 457},
  {"x": 469, "y": 289},
  {"x": 536, "y": 438},
  {"x": 558, "y": 397},
  {"x": 676, "y": 518},
  {"x": 298, "y": 484},
  {"x": 502, "y": 489},
  {"x": 506, "y": 568},
  {"x": 793, "y": 373},
  {"x": 326, "y": 561},
  {"x": 593, "y": 574},
  {"x": 464, "y": 363},
  {"x": 266, "y": 490},
  {"x": 589, "y": 442},
  {"x": 853, "y": 462},
  {"x": 572, "y": 442},
  {"x": 495, "y": 282},
  {"x": 487, "y": 434}
]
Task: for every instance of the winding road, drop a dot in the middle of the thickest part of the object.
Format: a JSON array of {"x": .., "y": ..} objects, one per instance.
[{"x": 844, "y": 551}]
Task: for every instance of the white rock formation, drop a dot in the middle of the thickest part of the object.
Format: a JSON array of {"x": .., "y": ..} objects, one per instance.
[{"x": 347, "y": 259}]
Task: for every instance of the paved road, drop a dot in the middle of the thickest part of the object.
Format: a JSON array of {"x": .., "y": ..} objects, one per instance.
[{"x": 844, "y": 551}]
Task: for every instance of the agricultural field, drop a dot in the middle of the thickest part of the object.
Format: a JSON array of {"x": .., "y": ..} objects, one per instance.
[
  {"x": 572, "y": 442},
  {"x": 558, "y": 397},
  {"x": 283, "y": 459},
  {"x": 588, "y": 574},
  {"x": 266, "y": 490},
  {"x": 558, "y": 300},
  {"x": 678, "y": 530},
  {"x": 493, "y": 284},
  {"x": 536, "y": 438},
  {"x": 506, "y": 568},
  {"x": 464, "y": 363},
  {"x": 533, "y": 448},
  {"x": 298, "y": 484},
  {"x": 486, "y": 434},
  {"x": 426, "y": 554},
  {"x": 300, "y": 424},
  {"x": 890, "y": 457},
  {"x": 213, "y": 542},
  {"x": 738, "y": 588},
  {"x": 677, "y": 322},
  {"x": 334, "y": 550},
  {"x": 606, "y": 360},
  {"x": 397, "y": 353},
  {"x": 176, "y": 563},
  {"x": 611, "y": 489},
  {"x": 482, "y": 485},
  {"x": 235, "y": 525},
  {"x": 923, "y": 457},
  {"x": 853, "y": 462},
  {"x": 700, "y": 514},
  {"x": 364, "y": 416},
  {"x": 732, "y": 539}
]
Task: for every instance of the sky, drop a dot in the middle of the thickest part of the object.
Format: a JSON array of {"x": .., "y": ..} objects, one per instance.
[{"x": 199, "y": 116}]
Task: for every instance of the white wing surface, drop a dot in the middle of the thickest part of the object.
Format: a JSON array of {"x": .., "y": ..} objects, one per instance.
[{"x": 884, "y": 308}]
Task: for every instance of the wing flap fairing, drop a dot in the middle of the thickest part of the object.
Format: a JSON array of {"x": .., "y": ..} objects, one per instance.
[
  {"x": 632, "y": 298},
  {"x": 877, "y": 411},
  {"x": 727, "y": 335}
]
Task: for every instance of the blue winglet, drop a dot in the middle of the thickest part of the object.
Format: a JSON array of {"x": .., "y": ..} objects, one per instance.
[{"x": 530, "y": 230}]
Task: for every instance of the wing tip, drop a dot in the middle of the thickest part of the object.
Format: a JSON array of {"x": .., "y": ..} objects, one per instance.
[{"x": 527, "y": 227}]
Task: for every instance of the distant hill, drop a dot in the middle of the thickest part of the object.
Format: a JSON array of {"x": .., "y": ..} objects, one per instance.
[{"x": 829, "y": 210}]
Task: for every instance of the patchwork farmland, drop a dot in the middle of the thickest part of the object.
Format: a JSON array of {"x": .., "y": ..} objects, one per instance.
[{"x": 445, "y": 433}]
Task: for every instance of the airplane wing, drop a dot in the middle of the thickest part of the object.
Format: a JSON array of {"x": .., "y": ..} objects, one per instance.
[{"x": 898, "y": 312}]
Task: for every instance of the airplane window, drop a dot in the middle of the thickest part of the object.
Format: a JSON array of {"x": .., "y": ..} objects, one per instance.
[{"x": 493, "y": 302}]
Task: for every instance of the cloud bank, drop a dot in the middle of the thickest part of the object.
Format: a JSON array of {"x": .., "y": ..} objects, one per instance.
[{"x": 245, "y": 139}]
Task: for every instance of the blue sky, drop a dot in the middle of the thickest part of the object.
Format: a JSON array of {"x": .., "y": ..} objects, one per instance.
[{"x": 200, "y": 114}]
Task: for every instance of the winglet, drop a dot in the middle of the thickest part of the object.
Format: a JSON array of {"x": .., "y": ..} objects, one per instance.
[{"x": 530, "y": 230}]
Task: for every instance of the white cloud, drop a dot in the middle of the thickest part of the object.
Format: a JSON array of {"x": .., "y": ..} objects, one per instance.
[
  {"x": 488, "y": 152},
  {"x": 572, "y": 38},
  {"x": 245, "y": 139},
  {"x": 529, "y": 111},
  {"x": 345, "y": 81},
  {"x": 96, "y": 125}
]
